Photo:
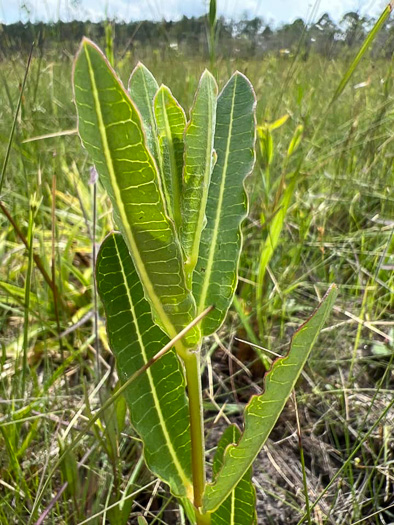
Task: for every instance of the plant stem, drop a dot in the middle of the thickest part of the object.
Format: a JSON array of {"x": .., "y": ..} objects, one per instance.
[
  {"x": 192, "y": 366},
  {"x": 27, "y": 299},
  {"x": 203, "y": 519}
]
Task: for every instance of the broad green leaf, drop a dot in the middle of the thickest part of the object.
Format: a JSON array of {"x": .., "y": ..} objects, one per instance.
[
  {"x": 171, "y": 122},
  {"x": 111, "y": 130},
  {"x": 262, "y": 411},
  {"x": 157, "y": 400},
  {"x": 240, "y": 506},
  {"x": 143, "y": 88},
  {"x": 199, "y": 161},
  {"x": 216, "y": 273}
]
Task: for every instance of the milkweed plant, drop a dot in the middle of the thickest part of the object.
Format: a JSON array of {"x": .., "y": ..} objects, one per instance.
[{"x": 176, "y": 184}]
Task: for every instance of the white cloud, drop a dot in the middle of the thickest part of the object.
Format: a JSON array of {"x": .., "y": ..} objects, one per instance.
[{"x": 277, "y": 12}]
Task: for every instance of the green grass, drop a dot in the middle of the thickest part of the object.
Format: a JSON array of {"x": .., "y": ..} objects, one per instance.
[{"x": 338, "y": 228}]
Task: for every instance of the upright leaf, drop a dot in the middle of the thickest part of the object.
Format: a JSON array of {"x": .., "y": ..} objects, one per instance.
[
  {"x": 295, "y": 140},
  {"x": 143, "y": 88},
  {"x": 367, "y": 42},
  {"x": 171, "y": 122},
  {"x": 263, "y": 411},
  {"x": 216, "y": 273},
  {"x": 199, "y": 161},
  {"x": 240, "y": 506},
  {"x": 157, "y": 400},
  {"x": 275, "y": 227},
  {"x": 111, "y": 130}
]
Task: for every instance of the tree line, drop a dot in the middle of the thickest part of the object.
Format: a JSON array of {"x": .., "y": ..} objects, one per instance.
[{"x": 246, "y": 38}]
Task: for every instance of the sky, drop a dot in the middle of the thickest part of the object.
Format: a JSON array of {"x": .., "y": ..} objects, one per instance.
[{"x": 274, "y": 11}]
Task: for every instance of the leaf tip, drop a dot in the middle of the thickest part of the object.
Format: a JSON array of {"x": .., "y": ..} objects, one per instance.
[
  {"x": 140, "y": 67},
  {"x": 207, "y": 76},
  {"x": 86, "y": 42},
  {"x": 206, "y": 72}
]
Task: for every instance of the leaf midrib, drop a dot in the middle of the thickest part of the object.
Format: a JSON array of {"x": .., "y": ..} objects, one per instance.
[
  {"x": 232, "y": 507},
  {"x": 185, "y": 480}
]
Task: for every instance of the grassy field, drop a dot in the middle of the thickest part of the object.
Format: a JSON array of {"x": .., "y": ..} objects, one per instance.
[{"x": 338, "y": 228}]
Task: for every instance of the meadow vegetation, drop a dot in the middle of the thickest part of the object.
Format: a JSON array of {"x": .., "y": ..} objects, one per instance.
[{"x": 57, "y": 371}]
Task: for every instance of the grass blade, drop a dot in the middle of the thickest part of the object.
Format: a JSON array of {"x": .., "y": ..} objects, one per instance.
[
  {"x": 7, "y": 154},
  {"x": 368, "y": 41},
  {"x": 30, "y": 234}
]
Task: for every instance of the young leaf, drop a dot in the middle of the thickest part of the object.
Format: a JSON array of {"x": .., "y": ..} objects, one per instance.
[
  {"x": 295, "y": 140},
  {"x": 111, "y": 130},
  {"x": 199, "y": 139},
  {"x": 212, "y": 13},
  {"x": 277, "y": 123},
  {"x": 240, "y": 506},
  {"x": 143, "y": 88},
  {"x": 216, "y": 273},
  {"x": 171, "y": 122},
  {"x": 266, "y": 143},
  {"x": 263, "y": 411},
  {"x": 157, "y": 400}
]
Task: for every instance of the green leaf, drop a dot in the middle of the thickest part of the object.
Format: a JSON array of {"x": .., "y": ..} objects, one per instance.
[
  {"x": 277, "y": 123},
  {"x": 199, "y": 161},
  {"x": 273, "y": 235},
  {"x": 69, "y": 468},
  {"x": 240, "y": 506},
  {"x": 367, "y": 42},
  {"x": 216, "y": 274},
  {"x": 262, "y": 411},
  {"x": 157, "y": 400},
  {"x": 15, "y": 294},
  {"x": 111, "y": 130},
  {"x": 295, "y": 140},
  {"x": 266, "y": 145},
  {"x": 143, "y": 88},
  {"x": 171, "y": 122},
  {"x": 212, "y": 13}
]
